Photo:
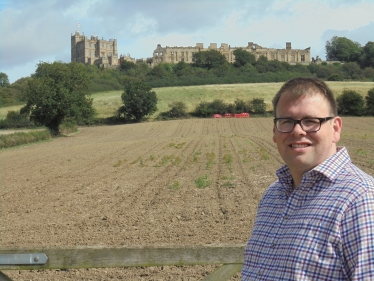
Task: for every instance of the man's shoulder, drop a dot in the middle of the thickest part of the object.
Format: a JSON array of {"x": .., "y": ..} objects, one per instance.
[
  {"x": 339, "y": 167},
  {"x": 352, "y": 173}
]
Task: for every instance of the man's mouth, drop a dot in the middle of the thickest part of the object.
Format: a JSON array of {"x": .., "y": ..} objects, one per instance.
[{"x": 299, "y": 145}]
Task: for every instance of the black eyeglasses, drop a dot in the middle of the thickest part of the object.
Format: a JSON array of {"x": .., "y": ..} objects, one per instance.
[{"x": 309, "y": 125}]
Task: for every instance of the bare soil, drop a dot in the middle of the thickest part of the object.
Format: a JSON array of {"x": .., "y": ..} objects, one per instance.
[{"x": 135, "y": 185}]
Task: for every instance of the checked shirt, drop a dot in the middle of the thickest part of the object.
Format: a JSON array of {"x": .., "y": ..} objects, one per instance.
[{"x": 322, "y": 230}]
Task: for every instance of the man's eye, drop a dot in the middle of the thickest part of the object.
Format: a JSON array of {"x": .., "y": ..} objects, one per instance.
[
  {"x": 310, "y": 122},
  {"x": 287, "y": 122}
]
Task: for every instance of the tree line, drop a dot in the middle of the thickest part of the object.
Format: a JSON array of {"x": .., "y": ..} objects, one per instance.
[{"x": 346, "y": 50}]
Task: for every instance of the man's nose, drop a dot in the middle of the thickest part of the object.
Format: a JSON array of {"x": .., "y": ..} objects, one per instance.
[{"x": 298, "y": 130}]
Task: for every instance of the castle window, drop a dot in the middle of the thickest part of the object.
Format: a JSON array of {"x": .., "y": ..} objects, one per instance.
[{"x": 302, "y": 57}]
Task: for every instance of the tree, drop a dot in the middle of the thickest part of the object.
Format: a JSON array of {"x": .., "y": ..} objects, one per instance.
[
  {"x": 218, "y": 106},
  {"x": 275, "y": 66},
  {"x": 241, "y": 106},
  {"x": 262, "y": 64},
  {"x": 368, "y": 55},
  {"x": 369, "y": 72},
  {"x": 324, "y": 71},
  {"x": 177, "y": 109},
  {"x": 202, "y": 109},
  {"x": 4, "y": 81},
  {"x": 127, "y": 65},
  {"x": 370, "y": 102},
  {"x": 161, "y": 70},
  {"x": 258, "y": 106},
  {"x": 139, "y": 101},
  {"x": 242, "y": 57},
  {"x": 335, "y": 77},
  {"x": 343, "y": 49},
  {"x": 350, "y": 103},
  {"x": 352, "y": 70},
  {"x": 209, "y": 59},
  {"x": 58, "y": 92},
  {"x": 182, "y": 69}
]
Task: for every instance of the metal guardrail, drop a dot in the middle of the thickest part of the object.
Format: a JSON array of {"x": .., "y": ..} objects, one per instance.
[{"x": 23, "y": 259}]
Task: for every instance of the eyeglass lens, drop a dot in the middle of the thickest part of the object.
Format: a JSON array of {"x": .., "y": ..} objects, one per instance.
[{"x": 308, "y": 125}]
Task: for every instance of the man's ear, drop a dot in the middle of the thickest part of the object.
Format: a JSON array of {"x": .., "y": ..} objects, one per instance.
[
  {"x": 337, "y": 127},
  {"x": 274, "y": 139}
]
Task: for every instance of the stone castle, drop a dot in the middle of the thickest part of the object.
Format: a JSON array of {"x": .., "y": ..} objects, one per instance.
[
  {"x": 177, "y": 54},
  {"x": 93, "y": 51},
  {"x": 100, "y": 52}
]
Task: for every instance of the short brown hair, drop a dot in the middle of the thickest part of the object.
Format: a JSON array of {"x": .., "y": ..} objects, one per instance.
[{"x": 298, "y": 87}]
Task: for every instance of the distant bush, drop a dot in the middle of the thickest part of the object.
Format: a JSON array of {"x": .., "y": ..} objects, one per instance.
[
  {"x": 177, "y": 110},
  {"x": 369, "y": 73},
  {"x": 350, "y": 103},
  {"x": 370, "y": 102},
  {"x": 336, "y": 77},
  {"x": 218, "y": 106},
  {"x": 202, "y": 109},
  {"x": 241, "y": 106},
  {"x": 258, "y": 106},
  {"x": 15, "y": 139},
  {"x": 68, "y": 127},
  {"x": 207, "y": 109},
  {"x": 14, "y": 119},
  {"x": 15, "y": 92}
]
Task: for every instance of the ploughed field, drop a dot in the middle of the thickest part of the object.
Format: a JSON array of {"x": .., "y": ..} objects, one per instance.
[{"x": 190, "y": 182}]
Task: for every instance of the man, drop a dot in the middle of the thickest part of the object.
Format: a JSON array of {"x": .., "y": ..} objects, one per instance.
[{"x": 316, "y": 222}]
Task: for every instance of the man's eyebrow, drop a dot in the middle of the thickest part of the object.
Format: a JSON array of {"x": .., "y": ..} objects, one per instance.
[{"x": 305, "y": 117}]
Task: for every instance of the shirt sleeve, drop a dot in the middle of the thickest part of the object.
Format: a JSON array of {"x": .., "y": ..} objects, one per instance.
[{"x": 357, "y": 236}]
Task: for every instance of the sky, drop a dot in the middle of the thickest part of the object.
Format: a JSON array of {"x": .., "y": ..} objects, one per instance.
[{"x": 40, "y": 30}]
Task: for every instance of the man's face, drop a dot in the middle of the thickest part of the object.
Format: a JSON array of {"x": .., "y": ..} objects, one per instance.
[{"x": 303, "y": 151}]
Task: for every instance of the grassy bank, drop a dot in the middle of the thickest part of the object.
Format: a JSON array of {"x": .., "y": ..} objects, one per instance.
[
  {"x": 21, "y": 138},
  {"x": 106, "y": 103}
]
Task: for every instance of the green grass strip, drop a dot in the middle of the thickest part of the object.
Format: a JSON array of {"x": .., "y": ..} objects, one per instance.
[{"x": 21, "y": 138}]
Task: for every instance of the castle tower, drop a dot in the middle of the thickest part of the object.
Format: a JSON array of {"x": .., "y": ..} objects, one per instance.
[
  {"x": 75, "y": 39},
  {"x": 93, "y": 50}
]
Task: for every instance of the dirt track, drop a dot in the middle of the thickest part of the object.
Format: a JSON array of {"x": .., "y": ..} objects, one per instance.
[{"x": 135, "y": 185}]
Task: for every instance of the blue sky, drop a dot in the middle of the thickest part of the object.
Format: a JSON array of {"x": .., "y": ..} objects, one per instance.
[{"x": 39, "y": 30}]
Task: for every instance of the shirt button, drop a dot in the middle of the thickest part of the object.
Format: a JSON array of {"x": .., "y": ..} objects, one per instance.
[{"x": 286, "y": 217}]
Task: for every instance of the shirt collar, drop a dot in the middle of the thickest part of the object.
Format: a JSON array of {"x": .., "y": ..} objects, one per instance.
[{"x": 330, "y": 168}]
